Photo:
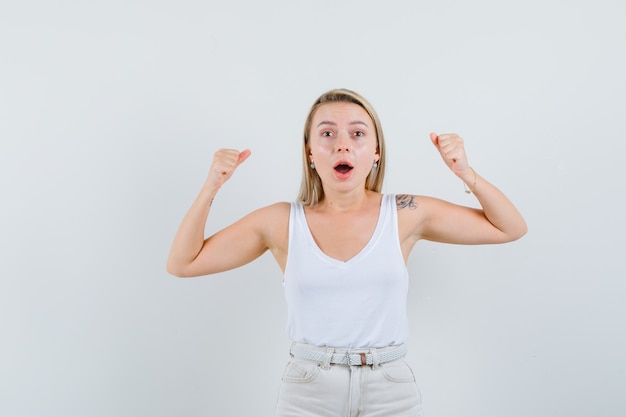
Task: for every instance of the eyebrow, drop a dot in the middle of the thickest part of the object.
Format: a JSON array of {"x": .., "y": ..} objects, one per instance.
[{"x": 327, "y": 122}]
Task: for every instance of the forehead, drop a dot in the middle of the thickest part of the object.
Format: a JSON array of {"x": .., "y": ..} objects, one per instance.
[{"x": 341, "y": 112}]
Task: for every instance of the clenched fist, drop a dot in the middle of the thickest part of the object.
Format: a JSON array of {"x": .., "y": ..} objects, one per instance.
[
  {"x": 225, "y": 162},
  {"x": 452, "y": 150}
]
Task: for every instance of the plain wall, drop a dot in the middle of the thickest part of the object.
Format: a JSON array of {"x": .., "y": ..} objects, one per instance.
[{"x": 109, "y": 116}]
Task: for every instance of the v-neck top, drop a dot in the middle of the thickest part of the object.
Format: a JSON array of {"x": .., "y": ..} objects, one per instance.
[{"x": 359, "y": 303}]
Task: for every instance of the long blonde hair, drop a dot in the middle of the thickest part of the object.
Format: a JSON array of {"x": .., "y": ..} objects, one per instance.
[{"x": 311, "y": 190}]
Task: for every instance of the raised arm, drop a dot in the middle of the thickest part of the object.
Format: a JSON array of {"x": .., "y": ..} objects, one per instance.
[
  {"x": 193, "y": 255},
  {"x": 497, "y": 222}
]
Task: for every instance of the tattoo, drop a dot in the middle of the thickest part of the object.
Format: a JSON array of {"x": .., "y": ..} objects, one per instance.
[{"x": 406, "y": 200}]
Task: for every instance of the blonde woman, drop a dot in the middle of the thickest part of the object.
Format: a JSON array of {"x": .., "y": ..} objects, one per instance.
[{"x": 343, "y": 247}]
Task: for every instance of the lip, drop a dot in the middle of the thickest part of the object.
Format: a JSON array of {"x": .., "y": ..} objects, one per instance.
[
  {"x": 343, "y": 162},
  {"x": 343, "y": 174}
]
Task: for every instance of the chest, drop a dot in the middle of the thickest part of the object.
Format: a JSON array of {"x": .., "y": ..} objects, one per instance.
[{"x": 342, "y": 236}]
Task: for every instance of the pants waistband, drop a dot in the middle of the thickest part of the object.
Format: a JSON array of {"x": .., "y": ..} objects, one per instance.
[{"x": 352, "y": 357}]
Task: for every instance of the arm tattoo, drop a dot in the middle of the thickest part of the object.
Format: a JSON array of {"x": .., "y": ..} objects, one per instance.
[{"x": 406, "y": 200}]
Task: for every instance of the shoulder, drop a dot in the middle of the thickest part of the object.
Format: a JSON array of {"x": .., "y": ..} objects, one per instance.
[
  {"x": 282, "y": 206},
  {"x": 272, "y": 213},
  {"x": 413, "y": 212},
  {"x": 417, "y": 203},
  {"x": 420, "y": 215},
  {"x": 274, "y": 220},
  {"x": 271, "y": 223},
  {"x": 406, "y": 201}
]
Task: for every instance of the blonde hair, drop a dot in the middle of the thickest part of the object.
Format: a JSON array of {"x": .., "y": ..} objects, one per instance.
[{"x": 311, "y": 190}]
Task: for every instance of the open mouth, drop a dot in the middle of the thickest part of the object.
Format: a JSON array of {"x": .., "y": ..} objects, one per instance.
[{"x": 343, "y": 168}]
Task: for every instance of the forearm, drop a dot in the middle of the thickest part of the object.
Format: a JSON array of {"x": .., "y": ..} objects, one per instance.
[
  {"x": 498, "y": 209},
  {"x": 189, "y": 238}
]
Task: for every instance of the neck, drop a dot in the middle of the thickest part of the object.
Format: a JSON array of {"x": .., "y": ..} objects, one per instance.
[{"x": 353, "y": 200}]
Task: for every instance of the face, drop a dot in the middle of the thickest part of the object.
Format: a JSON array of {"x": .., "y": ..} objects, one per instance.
[{"x": 342, "y": 144}]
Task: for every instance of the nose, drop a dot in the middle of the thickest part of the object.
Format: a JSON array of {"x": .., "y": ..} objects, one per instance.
[{"x": 342, "y": 143}]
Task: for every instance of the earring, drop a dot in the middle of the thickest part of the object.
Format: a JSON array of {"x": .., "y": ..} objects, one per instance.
[
  {"x": 312, "y": 165},
  {"x": 375, "y": 165}
]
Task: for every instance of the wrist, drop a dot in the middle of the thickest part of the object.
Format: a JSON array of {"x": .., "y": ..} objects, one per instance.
[
  {"x": 469, "y": 180},
  {"x": 208, "y": 192}
]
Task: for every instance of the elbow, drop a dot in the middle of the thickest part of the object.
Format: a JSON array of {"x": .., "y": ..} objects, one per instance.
[
  {"x": 519, "y": 232},
  {"x": 524, "y": 231},
  {"x": 176, "y": 270},
  {"x": 185, "y": 270}
]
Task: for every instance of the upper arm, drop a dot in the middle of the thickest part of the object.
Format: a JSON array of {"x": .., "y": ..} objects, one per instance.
[
  {"x": 441, "y": 221},
  {"x": 242, "y": 242}
]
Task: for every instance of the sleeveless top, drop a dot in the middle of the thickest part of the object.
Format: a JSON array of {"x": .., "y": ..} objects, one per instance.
[{"x": 359, "y": 303}]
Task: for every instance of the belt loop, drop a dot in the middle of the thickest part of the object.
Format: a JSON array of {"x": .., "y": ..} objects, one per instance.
[
  {"x": 327, "y": 358},
  {"x": 375, "y": 358}
]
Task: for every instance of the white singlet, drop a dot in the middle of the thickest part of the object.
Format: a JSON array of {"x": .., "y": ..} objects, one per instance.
[{"x": 360, "y": 303}]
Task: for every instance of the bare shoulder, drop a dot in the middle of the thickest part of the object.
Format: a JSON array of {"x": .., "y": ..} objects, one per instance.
[
  {"x": 419, "y": 205},
  {"x": 406, "y": 201},
  {"x": 274, "y": 212},
  {"x": 409, "y": 215},
  {"x": 269, "y": 217},
  {"x": 273, "y": 220},
  {"x": 265, "y": 223},
  {"x": 413, "y": 212},
  {"x": 273, "y": 223}
]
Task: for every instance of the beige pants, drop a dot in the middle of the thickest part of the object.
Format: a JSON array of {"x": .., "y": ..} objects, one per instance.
[{"x": 318, "y": 389}]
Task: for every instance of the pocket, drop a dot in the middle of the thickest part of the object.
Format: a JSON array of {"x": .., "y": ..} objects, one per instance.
[
  {"x": 300, "y": 370},
  {"x": 397, "y": 371}
]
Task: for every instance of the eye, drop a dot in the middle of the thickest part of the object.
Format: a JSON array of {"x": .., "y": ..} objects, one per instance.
[
  {"x": 327, "y": 133},
  {"x": 359, "y": 133}
]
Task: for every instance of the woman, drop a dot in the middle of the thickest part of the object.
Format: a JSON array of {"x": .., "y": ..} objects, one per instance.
[{"x": 343, "y": 248}]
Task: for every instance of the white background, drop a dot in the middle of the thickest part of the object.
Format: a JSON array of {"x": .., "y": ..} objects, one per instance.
[{"x": 110, "y": 113}]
